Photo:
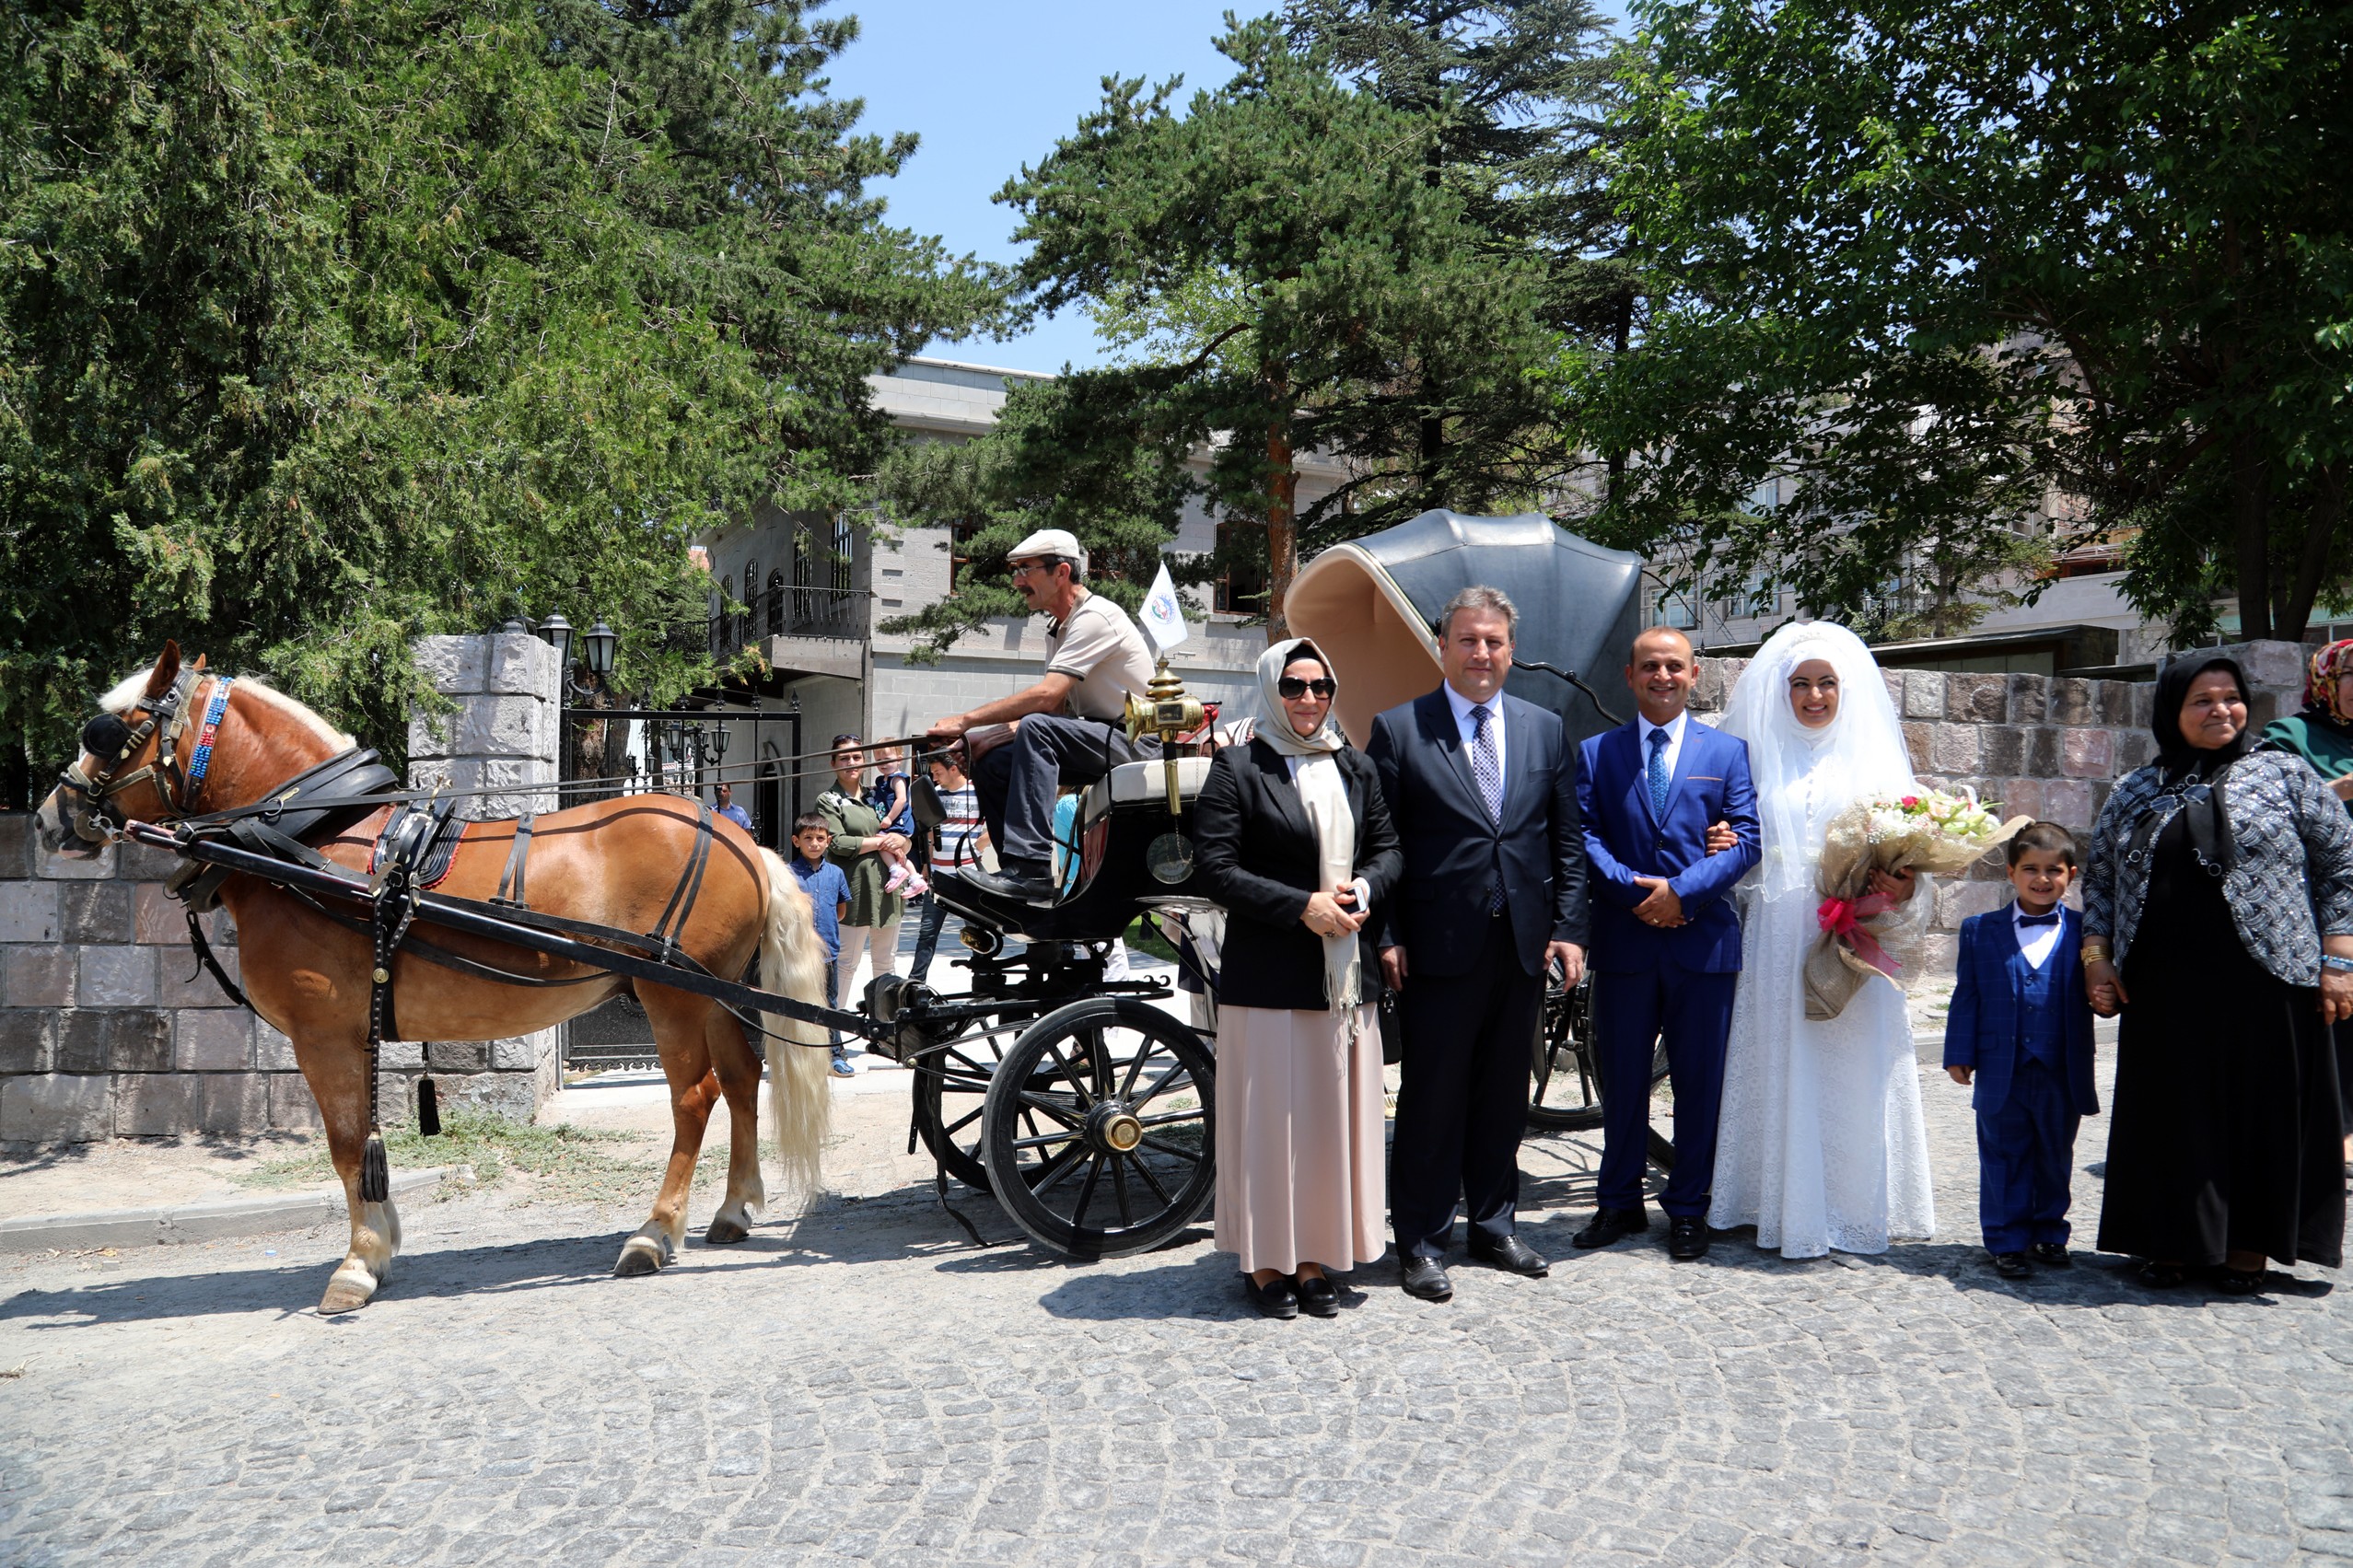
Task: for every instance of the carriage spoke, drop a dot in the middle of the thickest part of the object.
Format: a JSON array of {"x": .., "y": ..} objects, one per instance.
[
  {"x": 1168, "y": 1116},
  {"x": 1160, "y": 1086},
  {"x": 1190, "y": 1156},
  {"x": 1086, "y": 1101},
  {"x": 1099, "y": 1061},
  {"x": 1136, "y": 1068},
  {"x": 1119, "y": 1190},
  {"x": 1087, "y": 1192},
  {"x": 1038, "y": 1102},
  {"x": 1152, "y": 1181},
  {"x": 1043, "y": 1139},
  {"x": 964, "y": 1121},
  {"x": 1062, "y": 1165}
]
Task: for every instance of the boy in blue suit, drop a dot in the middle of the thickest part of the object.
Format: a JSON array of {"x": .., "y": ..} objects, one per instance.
[
  {"x": 1666, "y": 951},
  {"x": 2020, "y": 1027}
]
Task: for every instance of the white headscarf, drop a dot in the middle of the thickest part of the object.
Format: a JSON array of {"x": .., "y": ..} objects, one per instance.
[
  {"x": 1324, "y": 795},
  {"x": 1805, "y": 776}
]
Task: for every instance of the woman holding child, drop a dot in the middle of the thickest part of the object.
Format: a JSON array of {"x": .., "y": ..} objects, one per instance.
[
  {"x": 2218, "y": 918},
  {"x": 1822, "y": 1140},
  {"x": 868, "y": 852},
  {"x": 1294, "y": 840}
]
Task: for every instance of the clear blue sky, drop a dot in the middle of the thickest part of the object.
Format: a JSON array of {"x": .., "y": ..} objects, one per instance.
[{"x": 990, "y": 87}]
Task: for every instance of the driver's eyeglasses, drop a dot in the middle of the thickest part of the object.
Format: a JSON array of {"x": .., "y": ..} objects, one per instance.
[
  {"x": 1293, "y": 688},
  {"x": 1021, "y": 569}
]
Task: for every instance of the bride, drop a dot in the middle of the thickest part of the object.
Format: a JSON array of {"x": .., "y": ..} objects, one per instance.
[{"x": 1821, "y": 1143}]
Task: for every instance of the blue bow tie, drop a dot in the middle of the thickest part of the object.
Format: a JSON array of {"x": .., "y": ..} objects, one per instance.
[{"x": 2050, "y": 919}]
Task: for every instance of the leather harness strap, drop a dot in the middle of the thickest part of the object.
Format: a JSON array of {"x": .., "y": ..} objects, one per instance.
[
  {"x": 510, "y": 881},
  {"x": 690, "y": 885}
]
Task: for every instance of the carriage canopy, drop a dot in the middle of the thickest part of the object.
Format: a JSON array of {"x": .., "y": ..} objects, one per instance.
[{"x": 1372, "y": 604}]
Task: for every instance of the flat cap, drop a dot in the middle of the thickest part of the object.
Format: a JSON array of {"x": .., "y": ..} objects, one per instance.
[{"x": 1049, "y": 542}]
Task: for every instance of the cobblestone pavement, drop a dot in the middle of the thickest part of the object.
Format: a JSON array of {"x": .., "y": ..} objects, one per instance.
[{"x": 861, "y": 1385}]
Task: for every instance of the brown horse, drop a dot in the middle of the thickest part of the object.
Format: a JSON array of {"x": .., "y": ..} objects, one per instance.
[{"x": 614, "y": 863}]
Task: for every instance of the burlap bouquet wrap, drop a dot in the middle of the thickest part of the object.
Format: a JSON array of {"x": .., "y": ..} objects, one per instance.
[{"x": 1863, "y": 936}]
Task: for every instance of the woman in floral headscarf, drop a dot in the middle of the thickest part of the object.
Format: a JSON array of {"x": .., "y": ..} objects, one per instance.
[{"x": 2323, "y": 736}]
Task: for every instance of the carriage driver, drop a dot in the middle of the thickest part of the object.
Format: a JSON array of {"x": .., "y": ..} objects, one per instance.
[{"x": 1070, "y": 721}]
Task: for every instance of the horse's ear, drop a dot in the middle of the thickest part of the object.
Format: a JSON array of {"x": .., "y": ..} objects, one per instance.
[
  {"x": 166, "y": 671},
  {"x": 199, "y": 664}
]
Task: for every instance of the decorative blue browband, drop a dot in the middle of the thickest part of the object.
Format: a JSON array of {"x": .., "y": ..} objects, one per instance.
[{"x": 202, "y": 758}]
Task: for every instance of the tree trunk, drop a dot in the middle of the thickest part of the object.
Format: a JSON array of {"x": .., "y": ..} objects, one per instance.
[
  {"x": 2251, "y": 526},
  {"x": 1620, "y": 338},
  {"x": 1282, "y": 510},
  {"x": 2325, "y": 517}
]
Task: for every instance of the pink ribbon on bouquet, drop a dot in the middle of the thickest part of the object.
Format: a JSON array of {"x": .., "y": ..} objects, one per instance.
[{"x": 1841, "y": 918}]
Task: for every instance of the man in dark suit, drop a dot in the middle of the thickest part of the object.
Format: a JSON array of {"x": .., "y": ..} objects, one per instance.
[
  {"x": 1482, "y": 789},
  {"x": 1666, "y": 941}
]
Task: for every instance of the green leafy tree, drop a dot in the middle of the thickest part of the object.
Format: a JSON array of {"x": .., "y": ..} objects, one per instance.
[
  {"x": 323, "y": 328},
  {"x": 1923, "y": 260}
]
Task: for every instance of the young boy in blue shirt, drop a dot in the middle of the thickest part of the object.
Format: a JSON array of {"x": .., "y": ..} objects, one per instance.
[
  {"x": 829, "y": 900},
  {"x": 2020, "y": 1027}
]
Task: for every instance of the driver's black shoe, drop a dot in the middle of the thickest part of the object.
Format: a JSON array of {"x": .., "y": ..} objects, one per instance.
[{"x": 1019, "y": 879}]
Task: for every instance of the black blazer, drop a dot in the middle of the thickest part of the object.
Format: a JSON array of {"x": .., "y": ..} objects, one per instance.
[
  {"x": 1255, "y": 852},
  {"x": 1454, "y": 851}
]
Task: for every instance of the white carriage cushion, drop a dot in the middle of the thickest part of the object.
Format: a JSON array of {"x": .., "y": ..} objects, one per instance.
[{"x": 1133, "y": 784}]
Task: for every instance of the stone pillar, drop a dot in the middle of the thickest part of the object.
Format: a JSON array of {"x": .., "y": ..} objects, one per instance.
[{"x": 501, "y": 735}]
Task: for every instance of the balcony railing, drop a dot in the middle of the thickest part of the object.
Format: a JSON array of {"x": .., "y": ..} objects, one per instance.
[{"x": 789, "y": 612}]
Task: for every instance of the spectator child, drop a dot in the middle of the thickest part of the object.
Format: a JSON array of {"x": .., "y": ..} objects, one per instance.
[
  {"x": 2020, "y": 1027},
  {"x": 829, "y": 900},
  {"x": 892, "y": 795}
]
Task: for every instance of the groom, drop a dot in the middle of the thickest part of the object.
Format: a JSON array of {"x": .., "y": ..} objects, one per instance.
[{"x": 1666, "y": 950}]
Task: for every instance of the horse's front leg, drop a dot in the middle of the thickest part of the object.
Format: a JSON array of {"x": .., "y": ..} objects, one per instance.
[
  {"x": 678, "y": 1022},
  {"x": 336, "y": 1070}
]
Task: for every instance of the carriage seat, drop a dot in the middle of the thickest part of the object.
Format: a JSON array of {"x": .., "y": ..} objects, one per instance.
[{"x": 1143, "y": 784}]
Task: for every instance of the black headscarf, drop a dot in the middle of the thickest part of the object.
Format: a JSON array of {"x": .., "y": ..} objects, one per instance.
[
  {"x": 2173, "y": 749},
  {"x": 2190, "y": 771}
]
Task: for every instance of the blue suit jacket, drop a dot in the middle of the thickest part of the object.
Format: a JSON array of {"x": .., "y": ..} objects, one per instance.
[
  {"x": 1438, "y": 912},
  {"x": 1981, "y": 1032},
  {"x": 1624, "y": 839}
]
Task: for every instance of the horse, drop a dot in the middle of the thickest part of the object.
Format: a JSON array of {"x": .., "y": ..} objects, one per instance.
[{"x": 614, "y": 863}]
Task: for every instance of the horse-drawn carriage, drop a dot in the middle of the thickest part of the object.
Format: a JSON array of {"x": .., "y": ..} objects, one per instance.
[{"x": 1081, "y": 1101}]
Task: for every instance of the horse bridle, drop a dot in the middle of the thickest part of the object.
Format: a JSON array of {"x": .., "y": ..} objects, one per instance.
[{"x": 92, "y": 819}]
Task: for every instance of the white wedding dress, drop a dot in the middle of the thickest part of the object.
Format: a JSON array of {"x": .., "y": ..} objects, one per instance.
[{"x": 1821, "y": 1142}]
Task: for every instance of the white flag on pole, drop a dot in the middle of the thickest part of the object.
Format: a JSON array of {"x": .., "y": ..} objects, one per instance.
[{"x": 1163, "y": 616}]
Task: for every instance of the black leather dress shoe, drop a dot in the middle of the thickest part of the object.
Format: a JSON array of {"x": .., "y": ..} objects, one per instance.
[
  {"x": 2051, "y": 1255},
  {"x": 1609, "y": 1224},
  {"x": 1425, "y": 1278},
  {"x": 1017, "y": 880},
  {"x": 1512, "y": 1255},
  {"x": 2012, "y": 1265},
  {"x": 1277, "y": 1298},
  {"x": 1686, "y": 1238},
  {"x": 1319, "y": 1297}
]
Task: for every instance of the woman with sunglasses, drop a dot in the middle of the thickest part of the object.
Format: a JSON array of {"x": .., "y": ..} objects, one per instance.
[{"x": 1293, "y": 839}]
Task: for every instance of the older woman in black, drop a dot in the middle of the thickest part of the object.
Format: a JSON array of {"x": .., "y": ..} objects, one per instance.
[
  {"x": 1294, "y": 840},
  {"x": 2218, "y": 914}
]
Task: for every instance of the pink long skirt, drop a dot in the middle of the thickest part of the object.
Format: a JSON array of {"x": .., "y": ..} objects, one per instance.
[{"x": 1300, "y": 1152}]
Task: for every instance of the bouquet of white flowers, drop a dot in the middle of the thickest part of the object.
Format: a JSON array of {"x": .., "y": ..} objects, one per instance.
[{"x": 1929, "y": 831}]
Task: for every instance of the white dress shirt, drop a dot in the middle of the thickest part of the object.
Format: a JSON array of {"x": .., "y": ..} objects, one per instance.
[
  {"x": 1467, "y": 727},
  {"x": 2035, "y": 941},
  {"x": 1674, "y": 732}
]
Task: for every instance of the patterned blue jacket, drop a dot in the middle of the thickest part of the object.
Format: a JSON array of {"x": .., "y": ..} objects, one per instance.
[{"x": 2291, "y": 880}]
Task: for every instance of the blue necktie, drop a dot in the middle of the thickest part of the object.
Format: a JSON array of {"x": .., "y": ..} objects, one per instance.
[{"x": 1658, "y": 775}]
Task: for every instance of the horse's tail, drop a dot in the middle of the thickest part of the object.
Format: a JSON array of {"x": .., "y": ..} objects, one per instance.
[{"x": 800, "y": 1075}]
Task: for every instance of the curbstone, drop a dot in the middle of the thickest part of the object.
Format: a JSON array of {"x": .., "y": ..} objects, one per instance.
[
  {"x": 56, "y": 1107},
  {"x": 116, "y": 977},
  {"x": 168, "y": 1224}
]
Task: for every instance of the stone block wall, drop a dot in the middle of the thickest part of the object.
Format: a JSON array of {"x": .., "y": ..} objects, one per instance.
[{"x": 109, "y": 1030}]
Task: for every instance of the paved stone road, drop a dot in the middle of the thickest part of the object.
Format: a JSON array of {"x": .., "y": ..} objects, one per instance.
[{"x": 862, "y": 1386}]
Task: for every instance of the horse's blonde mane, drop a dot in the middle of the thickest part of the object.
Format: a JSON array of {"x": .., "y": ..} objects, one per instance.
[{"x": 134, "y": 686}]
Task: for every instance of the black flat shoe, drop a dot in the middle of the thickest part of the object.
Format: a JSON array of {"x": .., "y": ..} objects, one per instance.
[
  {"x": 1319, "y": 1297},
  {"x": 1511, "y": 1255},
  {"x": 1277, "y": 1298},
  {"x": 2012, "y": 1265},
  {"x": 1424, "y": 1279},
  {"x": 1686, "y": 1238},
  {"x": 2052, "y": 1255},
  {"x": 1609, "y": 1224},
  {"x": 1015, "y": 881},
  {"x": 2161, "y": 1276},
  {"x": 2239, "y": 1282}
]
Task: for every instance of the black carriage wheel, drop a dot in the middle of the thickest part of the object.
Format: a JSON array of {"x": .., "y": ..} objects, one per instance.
[
  {"x": 1565, "y": 1091},
  {"x": 1102, "y": 1128},
  {"x": 951, "y": 1097}
]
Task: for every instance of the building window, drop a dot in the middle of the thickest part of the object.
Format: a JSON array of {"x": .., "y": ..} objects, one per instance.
[
  {"x": 751, "y": 597},
  {"x": 776, "y": 602},
  {"x": 1241, "y": 586}
]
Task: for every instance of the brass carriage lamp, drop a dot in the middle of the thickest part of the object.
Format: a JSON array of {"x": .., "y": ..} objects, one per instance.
[{"x": 1166, "y": 711}]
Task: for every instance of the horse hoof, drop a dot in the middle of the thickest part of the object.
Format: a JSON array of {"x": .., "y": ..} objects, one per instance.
[
  {"x": 642, "y": 1255},
  {"x": 725, "y": 1231},
  {"x": 348, "y": 1292}
]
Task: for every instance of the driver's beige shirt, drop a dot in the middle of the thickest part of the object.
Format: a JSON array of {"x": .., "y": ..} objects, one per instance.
[{"x": 1100, "y": 648}]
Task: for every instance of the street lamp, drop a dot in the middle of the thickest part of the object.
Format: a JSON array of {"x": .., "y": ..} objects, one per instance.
[
  {"x": 557, "y": 632},
  {"x": 602, "y": 643}
]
